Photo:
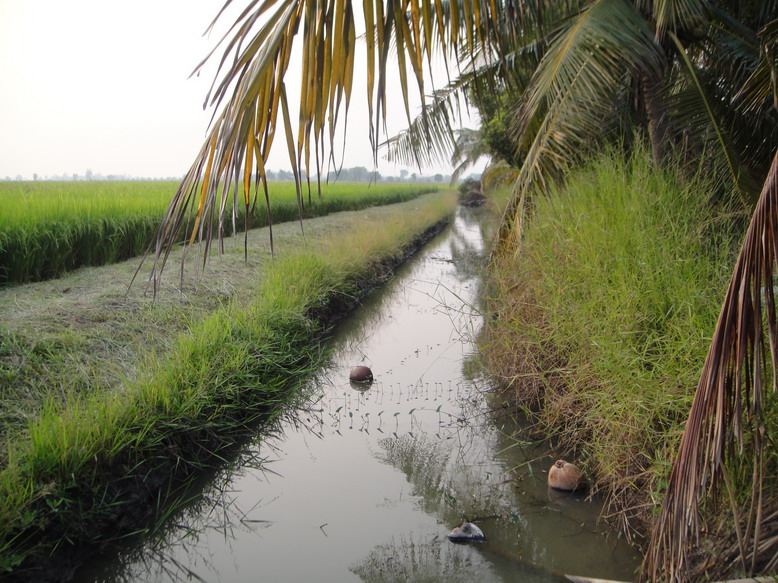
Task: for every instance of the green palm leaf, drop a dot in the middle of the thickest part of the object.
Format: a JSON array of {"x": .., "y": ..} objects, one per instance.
[
  {"x": 757, "y": 94},
  {"x": 745, "y": 183},
  {"x": 572, "y": 95},
  {"x": 429, "y": 139},
  {"x": 675, "y": 15}
]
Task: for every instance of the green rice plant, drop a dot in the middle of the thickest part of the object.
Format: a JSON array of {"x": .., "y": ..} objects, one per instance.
[{"x": 49, "y": 228}]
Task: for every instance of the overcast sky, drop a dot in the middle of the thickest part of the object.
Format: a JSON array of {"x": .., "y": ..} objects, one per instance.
[{"x": 104, "y": 86}]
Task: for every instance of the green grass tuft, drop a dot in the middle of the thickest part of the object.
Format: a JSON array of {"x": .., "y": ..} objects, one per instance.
[{"x": 604, "y": 317}]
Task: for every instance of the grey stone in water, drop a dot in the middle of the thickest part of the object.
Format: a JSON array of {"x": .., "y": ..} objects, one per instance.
[
  {"x": 466, "y": 533},
  {"x": 361, "y": 374}
]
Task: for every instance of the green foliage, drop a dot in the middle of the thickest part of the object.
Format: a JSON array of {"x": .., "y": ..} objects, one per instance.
[
  {"x": 496, "y": 109},
  {"x": 49, "y": 228},
  {"x": 621, "y": 275},
  {"x": 467, "y": 185}
]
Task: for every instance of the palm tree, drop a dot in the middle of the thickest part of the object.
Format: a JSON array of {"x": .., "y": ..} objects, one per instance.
[{"x": 692, "y": 75}]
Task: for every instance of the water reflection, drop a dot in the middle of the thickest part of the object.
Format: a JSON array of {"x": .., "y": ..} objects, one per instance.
[
  {"x": 363, "y": 483},
  {"x": 409, "y": 559}
]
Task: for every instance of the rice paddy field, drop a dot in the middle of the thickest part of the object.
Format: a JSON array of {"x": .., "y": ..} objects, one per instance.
[
  {"x": 113, "y": 401},
  {"x": 50, "y": 228}
]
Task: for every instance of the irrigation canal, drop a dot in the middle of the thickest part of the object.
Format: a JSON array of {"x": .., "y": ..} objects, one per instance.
[{"x": 363, "y": 484}]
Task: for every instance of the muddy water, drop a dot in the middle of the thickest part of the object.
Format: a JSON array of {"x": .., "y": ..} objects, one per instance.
[{"x": 364, "y": 483}]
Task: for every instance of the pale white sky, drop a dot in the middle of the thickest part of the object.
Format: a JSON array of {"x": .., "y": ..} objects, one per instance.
[{"x": 103, "y": 85}]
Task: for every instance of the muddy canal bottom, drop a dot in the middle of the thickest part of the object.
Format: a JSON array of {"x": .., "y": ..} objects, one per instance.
[{"x": 364, "y": 483}]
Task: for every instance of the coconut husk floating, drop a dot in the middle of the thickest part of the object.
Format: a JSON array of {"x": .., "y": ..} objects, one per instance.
[
  {"x": 467, "y": 532},
  {"x": 361, "y": 374},
  {"x": 565, "y": 476}
]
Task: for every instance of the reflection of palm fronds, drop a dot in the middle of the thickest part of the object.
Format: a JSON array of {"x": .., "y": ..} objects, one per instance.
[{"x": 727, "y": 422}]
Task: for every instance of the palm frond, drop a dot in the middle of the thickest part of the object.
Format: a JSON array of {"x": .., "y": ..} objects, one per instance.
[
  {"x": 709, "y": 120},
  {"x": 578, "y": 77},
  {"x": 469, "y": 148},
  {"x": 736, "y": 73},
  {"x": 676, "y": 16},
  {"x": 429, "y": 139},
  {"x": 726, "y": 421},
  {"x": 250, "y": 90},
  {"x": 760, "y": 91},
  {"x": 732, "y": 48},
  {"x": 497, "y": 175},
  {"x": 573, "y": 90}
]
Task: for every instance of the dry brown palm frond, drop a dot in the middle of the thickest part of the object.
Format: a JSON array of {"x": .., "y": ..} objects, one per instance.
[
  {"x": 251, "y": 91},
  {"x": 726, "y": 425},
  {"x": 728, "y": 553}
]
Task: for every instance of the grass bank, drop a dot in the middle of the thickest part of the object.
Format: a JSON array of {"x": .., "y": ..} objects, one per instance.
[
  {"x": 604, "y": 317},
  {"x": 89, "y": 457},
  {"x": 49, "y": 228}
]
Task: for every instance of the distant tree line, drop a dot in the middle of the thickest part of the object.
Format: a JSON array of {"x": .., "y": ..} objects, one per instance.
[
  {"x": 362, "y": 174},
  {"x": 355, "y": 174},
  {"x": 88, "y": 176}
]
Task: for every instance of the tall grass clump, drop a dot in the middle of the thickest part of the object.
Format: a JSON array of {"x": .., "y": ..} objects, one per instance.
[
  {"x": 93, "y": 468},
  {"x": 604, "y": 318},
  {"x": 49, "y": 228}
]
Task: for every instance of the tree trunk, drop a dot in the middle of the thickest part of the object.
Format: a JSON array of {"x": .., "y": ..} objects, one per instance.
[{"x": 656, "y": 112}]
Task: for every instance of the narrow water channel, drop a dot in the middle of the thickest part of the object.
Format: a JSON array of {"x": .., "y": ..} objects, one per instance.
[{"x": 363, "y": 484}]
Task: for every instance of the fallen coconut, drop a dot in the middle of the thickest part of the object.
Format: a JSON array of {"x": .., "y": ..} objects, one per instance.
[
  {"x": 565, "y": 476},
  {"x": 361, "y": 374},
  {"x": 468, "y": 532}
]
